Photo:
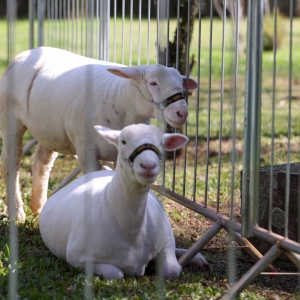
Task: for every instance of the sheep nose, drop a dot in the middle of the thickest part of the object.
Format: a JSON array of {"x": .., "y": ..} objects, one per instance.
[
  {"x": 148, "y": 166},
  {"x": 182, "y": 114}
]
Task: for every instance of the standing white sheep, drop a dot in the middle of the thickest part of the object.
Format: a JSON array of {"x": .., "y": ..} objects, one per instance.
[
  {"x": 57, "y": 92},
  {"x": 124, "y": 224}
]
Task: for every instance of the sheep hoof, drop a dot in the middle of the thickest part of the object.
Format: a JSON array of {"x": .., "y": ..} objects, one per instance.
[{"x": 20, "y": 215}]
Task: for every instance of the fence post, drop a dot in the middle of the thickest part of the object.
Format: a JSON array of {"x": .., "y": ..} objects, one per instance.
[
  {"x": 31, "y": 13},
  {"x": 40, "y": 13},
  {"x": 251, "y": 160},
  {"x": 104, "y": 29}
]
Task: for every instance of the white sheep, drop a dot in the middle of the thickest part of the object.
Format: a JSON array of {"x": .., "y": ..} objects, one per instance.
[
  {"x": 56, "y": 93},
  {"x": 123, "y": 224}
]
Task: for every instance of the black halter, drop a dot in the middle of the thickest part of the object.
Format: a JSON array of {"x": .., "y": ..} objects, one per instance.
[
  {"x": 174, "y": 98},
  {"x": 140, "y": 149}
]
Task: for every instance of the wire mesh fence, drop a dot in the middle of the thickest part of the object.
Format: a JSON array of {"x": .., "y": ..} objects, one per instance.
[{"x": 236, "y": 115}]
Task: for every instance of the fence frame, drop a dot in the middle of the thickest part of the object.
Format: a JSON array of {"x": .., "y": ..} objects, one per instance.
[{"x": 251, "y": 158}]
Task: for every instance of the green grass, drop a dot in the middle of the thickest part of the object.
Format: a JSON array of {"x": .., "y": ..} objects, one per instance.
[{"x": 43, "y": 276}]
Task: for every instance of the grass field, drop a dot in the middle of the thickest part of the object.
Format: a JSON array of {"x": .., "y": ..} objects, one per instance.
[{"x": 43, "y": 276}]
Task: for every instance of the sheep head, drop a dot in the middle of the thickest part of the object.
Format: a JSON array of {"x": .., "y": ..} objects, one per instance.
[
  {"x": 140, "y": 149},
  {"x": 164, "y": 87}
]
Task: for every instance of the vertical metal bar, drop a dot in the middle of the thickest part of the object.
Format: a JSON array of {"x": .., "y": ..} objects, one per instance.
[
  {"x": 221, "y": 105},
  {"x": 11, "y": 188},
  {"x": 148, "y": 34},
  {"x": 56, "y": 23},
  {"x": 273, "y": 115},
  {"x": 76, "y": 26},
  {"x": 115, "y": 26},
  {"x": 287, "y": 180},
  {"x": 157, "y": 29},
  {"x": 51, "y": 18},
  {"x": 60, "y": 17},
  {"x": 73, "y": 19},
  {"x": 198, "y": 101},
  {"x": 88, "y": 112},
  {"x": 139, "y": 32},
  {"x": 98, "y": 30},
  {"x": 89, "y": 34},
  {"x": 48, "y": 22},
  {"x": 81, "y": 29},
  {"x": 177, "y": 40},
  {"x": 104, "y": 28},
  {"x": 177, "y": 66},
  {"x": 130, "y": 33},
  {"x": 231, "y": 252},
  {"x": 186, "y": 95},
  {"x": 64, "y": 17},
  {"x": 251, "y": 160},
  {"x": 168, "y": 32},
  {"x": 40, "y": 8},
  {"x": 233, "y": 137},
  {"x": 68, "y": 24},
  {"x": 31, "y": 23},
  {"x": 209, "y": 104},
  {"x": 123, "y": 30}
]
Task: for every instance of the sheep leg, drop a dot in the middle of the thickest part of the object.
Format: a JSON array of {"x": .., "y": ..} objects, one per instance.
[
  {"x": 42, "y": 165},
  {"x": 198, "y": 260},
  {"x": 166, "y": 259},
  {"x": 11, "y": 157},
  {"x": 108, "y": 271}
]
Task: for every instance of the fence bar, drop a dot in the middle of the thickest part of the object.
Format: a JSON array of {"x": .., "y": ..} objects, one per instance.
[
  {"x": 204, "y": 211},
  {"x": 272, "y": 238},
  {"x": 221, "y": 105},
  {"x": 273, "y": 115},
  {"x": 41, "y": 9},
  {"x": 295, "y": 258},
  {"x": 209, "y": 105},
  {"x": 104, "y": 27},
  {"x": 177, "y": 67},
  {"x": 287, "y": 180},
  {"x": 270, "y": 256},
  {"x": 12, "y": 189},
  {"x": 251, "y": 160},
  {"x": 249, "y": 248},
  {"x": 68, "y": 179},
  {"x": 203, "y": 240},
  {"x": 260, "y": 233},
  {"x": 198, "y": 101},
  {"x": 27, "y": 147},
  {"x": 31, "y": 23}
]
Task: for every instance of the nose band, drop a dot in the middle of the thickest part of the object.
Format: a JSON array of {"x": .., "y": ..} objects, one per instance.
[
  {"x": 172, "y": 99},
  {"x": 140, "y": 149}
]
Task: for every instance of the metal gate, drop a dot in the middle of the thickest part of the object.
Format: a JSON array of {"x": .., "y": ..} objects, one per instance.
[{"x": 226, "y": 133}]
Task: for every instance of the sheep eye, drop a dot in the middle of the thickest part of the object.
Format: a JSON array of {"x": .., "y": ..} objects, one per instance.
[
  {"x": 123, "y": 142},
  {"x": 153, "y": 83}
]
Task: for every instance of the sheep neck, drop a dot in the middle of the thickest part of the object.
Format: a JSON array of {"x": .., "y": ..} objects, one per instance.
[{"x": 129, "y": 201}]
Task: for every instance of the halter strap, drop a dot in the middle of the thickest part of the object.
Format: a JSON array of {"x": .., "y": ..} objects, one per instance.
[
  {"x": 140, "y": 149},
  {"x": 172, "y": 99}
]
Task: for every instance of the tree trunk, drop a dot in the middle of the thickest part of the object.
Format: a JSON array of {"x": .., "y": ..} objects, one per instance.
[{"x": 186, "y": 26}]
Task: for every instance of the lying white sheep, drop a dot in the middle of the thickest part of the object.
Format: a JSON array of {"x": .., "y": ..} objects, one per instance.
[
  {"x": 125, "y": 224},
  {"x": 56, "y": 92}
]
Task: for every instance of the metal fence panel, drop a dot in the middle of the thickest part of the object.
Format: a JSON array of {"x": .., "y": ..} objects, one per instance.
[{"x": 225, "y": 134}]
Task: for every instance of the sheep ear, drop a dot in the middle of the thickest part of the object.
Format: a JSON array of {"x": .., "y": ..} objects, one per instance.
[
  {"x": 174, "y": 141},
  {"x": 126, "y": 72},
  {"x": 112, "y": 136},
  {"x": 190, "y": 82}
]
